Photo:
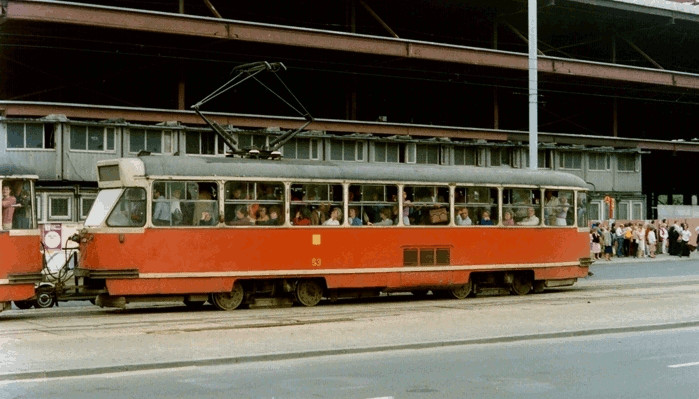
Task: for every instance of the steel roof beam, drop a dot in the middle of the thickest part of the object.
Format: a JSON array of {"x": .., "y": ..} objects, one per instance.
[
  {"x": 18, "y": 109},
  {"x": 148, "y": 21}
]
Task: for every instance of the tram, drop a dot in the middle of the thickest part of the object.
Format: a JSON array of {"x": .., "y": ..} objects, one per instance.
[
  {"x": 235, "y": 231},
  {"x": 20, "y": 252}
]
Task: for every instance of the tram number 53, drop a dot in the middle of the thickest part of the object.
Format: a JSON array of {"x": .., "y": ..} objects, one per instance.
[{"x": 315, "y": 262}]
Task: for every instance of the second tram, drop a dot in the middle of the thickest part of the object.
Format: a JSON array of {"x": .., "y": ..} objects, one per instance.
[{"x": 235, "y": 231}]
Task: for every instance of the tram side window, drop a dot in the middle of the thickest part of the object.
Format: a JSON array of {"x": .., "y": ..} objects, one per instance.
[
  {"x": 558, "y": 207},
  {"x": 184, "y": 203},
  {"x": 16, "y": 204},
  {"x": 316, "y": 204},
  {"x": 254, "y": 203},
  {"x": 426, "y": 205},
  {"x": 373, "y": 205},
  {"x": 523, "y": 204},
  {"x": 476, "y": 206},
  {"x": 130, "y": 210},
  {"x": 581, "y": 208}
]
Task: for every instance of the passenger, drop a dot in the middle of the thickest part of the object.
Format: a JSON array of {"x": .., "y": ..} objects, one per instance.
[
  {"x": 551, "y": 210},
  {"x": 485, "y": 219},
  {"x": 9, "y": 203},
  {"x": 462, "y": 218},
  {"x": 353, "y": 219},
  {"x": 161, "y": 209},
  {"x": 207, "y": 220},
  {"x": 507, "y": 219},
  {"x": 531, "y": 219},
  {"x": 406, "y": 209},
  {"x": 241, "y": 217},
  {"x": 335, "y": 217},
  {"x": 23, "y": 215},
  {"x": 652, "y": 241},
  {"x": 319, "y": 215},
  {"x": 175, "y": 209},
  {"x": 274, "y": 219},
  {"x": 302, "y": 218},
  {"x": 262, "y": 216},
  {"x": 385, "y": 218},
  {"x": 562, "y": 211}
]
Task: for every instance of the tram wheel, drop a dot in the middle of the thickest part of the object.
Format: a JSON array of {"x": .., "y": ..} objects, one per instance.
[
  {"x": 521, "y": 284},
  {"x": 228, "y": 300},
  {"x": 24, "y": 304},
  {"x": 45, "y": 299},
  {"x": 308, "y": 292},
  {"x": 460, "y": 291}
]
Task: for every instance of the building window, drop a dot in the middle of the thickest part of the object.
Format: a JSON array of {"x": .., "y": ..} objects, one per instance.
[
  {"x": 346, "y": 150},
  {"x": 626, "y": 162},
  {"x": 636, "y": 210},
  {"x": 543, "y": 159},
  {"x": 622, "y": 210},
  {"x": 60, "y": 207},
  {"x": 250, "y": 141},
  {"x": 153, "y": 141},
  {"x": 571, "y": 160},
  {"x": 500, "y": 156},
  {"x": 301, "y": 148},
  {"x": 465, "y": 156},
  {"x": 91, "y": 138},
  {"x": 205, "y": 143},
  {"x": 85, "y": 205},
  {"x": 30, "y": 135},
  {"x": 599, "y": 162},
  {"x": 386, "y": 152},
  {"x": 595, "y": 211},
  {"x": 427, "y": 154}
]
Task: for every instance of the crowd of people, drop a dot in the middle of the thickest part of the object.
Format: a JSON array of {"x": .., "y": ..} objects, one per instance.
[{"x": 641, "y": 239}]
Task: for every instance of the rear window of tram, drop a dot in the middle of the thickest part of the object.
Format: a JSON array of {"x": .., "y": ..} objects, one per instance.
[{"x": 254, "y": 203}]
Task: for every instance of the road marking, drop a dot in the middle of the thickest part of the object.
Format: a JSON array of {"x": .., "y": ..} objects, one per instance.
[{"x": 675, "y": 366}]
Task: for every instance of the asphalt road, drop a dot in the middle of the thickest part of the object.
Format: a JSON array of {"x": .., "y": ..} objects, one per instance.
[{"x": 628, "y": 365}]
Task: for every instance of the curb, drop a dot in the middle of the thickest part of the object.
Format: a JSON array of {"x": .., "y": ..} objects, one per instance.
[{"x": 34, "y": 375}]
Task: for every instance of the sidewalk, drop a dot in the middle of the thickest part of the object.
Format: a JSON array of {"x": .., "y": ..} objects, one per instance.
[{"x": 658, "y": 258}]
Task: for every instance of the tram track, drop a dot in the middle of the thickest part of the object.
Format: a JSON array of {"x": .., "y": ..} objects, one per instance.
[{"x": 167, "y": 319}]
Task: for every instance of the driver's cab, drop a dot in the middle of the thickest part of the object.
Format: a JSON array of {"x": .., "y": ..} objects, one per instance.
[{"x": 18, "y": 203}]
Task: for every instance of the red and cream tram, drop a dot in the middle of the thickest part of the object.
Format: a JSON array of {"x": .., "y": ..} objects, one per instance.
[
  {"x": 235, "y": 231},
  {"x": 20, "y": 255}
]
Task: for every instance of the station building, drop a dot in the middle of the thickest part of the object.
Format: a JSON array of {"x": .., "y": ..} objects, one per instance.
[{"x": 415, "y": 81}]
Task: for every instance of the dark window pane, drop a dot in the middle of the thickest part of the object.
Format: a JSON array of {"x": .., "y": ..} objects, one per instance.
[
  {"x": 15, "y": 135},
  {"x": 59, "y": 207},
  {"x": 49, "y": 140},
  {"x": 78, "y": 137},
  {"x": 410, "y": 257},
  {"x": 302, "y": 149},
  {"x": 380, "y": 152},
  {"x": 442, "y": 256},
  {"x": 208, "y": 143},
  {"x": 192, "y": 145},
  {"x": 154, "y": 141},
  {"x": 95, "y": 138},
  {"x": 336, "y": 151},
  {"x": 110, "y": 139},
  {"x": 137, "y": 140},
  {"x": 35, "y": 136},
  {"x": 427, "y": 257},
  {"x": 391, "y": 152},
  {"x": 348, "y": 151}
]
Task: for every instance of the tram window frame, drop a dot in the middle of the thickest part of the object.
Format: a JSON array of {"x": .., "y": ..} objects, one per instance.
[
  {"x": 254, "y": 197},
  {"x": 559, "y": 208},
  {"x": 318, "y": 207},
  {"x": 581, "y": 208},
  {"x": 526, "y": 197},
  {"x": 430, "y": 212},
  {"x": 23, "y": 217},
  {"x": 477, "y": 199},
  {"x": 185, "y": 210},
  {"x": 371, "y": 201},
  {"x": 136, "y": 216}
]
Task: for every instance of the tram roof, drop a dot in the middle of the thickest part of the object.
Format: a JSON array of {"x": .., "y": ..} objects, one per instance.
[{"x": 179, "y": 166}]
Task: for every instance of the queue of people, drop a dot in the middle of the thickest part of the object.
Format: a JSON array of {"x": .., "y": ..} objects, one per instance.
[{"x": 641, "y": 240}]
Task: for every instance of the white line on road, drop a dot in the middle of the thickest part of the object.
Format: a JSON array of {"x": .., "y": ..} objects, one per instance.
[{"x": 675, "y": 366}]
